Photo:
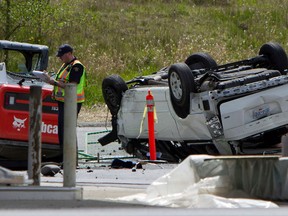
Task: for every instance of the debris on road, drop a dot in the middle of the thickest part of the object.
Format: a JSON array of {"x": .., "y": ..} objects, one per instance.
[
  {"x": 50, "y": 170},
  {"x": 117, "y": 164}
]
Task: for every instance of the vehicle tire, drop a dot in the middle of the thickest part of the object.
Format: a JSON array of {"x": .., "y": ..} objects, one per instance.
[
  {"x": 181, "y": 84},
  {"x": 200, "y": 61},
  {"x": 113, "y": 87},
  {"x": 277, "y": 56}
]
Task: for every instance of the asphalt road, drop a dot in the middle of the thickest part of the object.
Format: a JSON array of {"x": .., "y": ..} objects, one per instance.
[{"x": 144, "y": 211}]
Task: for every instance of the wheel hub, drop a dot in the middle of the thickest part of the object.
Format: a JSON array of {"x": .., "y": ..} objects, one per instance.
[{"x": 176, "y": 86}]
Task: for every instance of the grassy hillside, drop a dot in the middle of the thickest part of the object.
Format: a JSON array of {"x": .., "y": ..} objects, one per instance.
[{"x": 136, "y": 37}]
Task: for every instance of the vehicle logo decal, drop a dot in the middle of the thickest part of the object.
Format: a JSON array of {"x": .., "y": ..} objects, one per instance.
[
  {"x": 19, "y": 123},
  {"x": 49, "y": 129},
  {"x": 45, "y": 128}
]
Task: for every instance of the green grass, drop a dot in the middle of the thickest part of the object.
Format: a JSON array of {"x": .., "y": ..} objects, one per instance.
[{"x": 137, "y": 37}]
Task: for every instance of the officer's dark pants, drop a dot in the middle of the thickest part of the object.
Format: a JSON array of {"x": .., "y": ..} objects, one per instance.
[{"x": 61, "y": 123}]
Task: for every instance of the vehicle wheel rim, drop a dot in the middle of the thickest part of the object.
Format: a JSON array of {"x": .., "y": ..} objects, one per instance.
[{"x": 175, "y": 85}]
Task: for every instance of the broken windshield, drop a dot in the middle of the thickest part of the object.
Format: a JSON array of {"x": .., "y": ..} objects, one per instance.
[{"x": 20, "y": 62}]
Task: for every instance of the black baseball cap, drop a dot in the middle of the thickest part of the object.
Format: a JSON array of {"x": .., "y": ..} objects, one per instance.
[{"x": 65, "y": 48}]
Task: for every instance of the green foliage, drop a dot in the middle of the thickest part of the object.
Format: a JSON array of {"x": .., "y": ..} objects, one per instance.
[{"x": 138, "y": 37}]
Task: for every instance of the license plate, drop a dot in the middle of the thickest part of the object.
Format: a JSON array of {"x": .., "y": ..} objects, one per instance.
[{"x": 261, "y": 112}]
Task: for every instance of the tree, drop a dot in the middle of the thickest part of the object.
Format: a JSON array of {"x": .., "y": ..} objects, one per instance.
[{"x": 25, "y": 20}]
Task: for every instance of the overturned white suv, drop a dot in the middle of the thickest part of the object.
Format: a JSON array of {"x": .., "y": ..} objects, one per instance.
[{"x": 204, "y": 108}]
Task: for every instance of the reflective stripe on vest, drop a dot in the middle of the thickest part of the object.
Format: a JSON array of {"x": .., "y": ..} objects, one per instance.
[{"x": 63, "y": 76}]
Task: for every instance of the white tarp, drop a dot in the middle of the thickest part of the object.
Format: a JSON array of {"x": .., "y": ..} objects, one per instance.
[
  {"x": 11, "y": 177},
  {"x": 203, "y": 181}
]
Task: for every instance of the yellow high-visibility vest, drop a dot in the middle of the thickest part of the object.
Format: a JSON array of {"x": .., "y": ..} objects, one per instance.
[{"x": 63, "y": 76}]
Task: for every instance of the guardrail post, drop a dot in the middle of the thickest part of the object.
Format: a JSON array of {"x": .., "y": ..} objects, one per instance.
[
  {"x": 69, "y": 143},
  {"x": 34, "y": 148}
]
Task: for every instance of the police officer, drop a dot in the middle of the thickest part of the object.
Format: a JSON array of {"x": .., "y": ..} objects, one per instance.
[{"x": 71, "y": 71}]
